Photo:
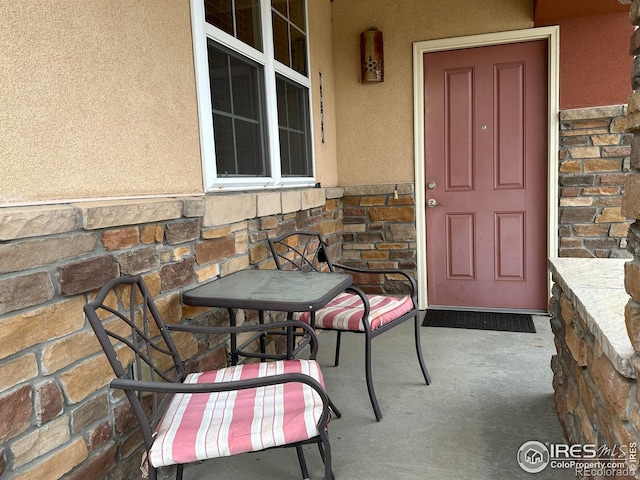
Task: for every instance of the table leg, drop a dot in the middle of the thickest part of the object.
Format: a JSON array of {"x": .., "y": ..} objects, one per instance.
[
  {"x": 234, "y": 340},
  {"x": 262, "y": 344},
  {"x": 289, "y": 337}
]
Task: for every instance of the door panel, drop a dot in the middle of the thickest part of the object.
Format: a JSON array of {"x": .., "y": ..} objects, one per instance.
[
  {"x": 510, "y": 246},
  {"x": 459, "y": 118},
  {"x": 509, "y": 126},
  {"x": 461, "y": 258},
  {"x": 485, "y": 149}
]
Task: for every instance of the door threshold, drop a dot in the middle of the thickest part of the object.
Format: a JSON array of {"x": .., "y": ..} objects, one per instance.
[{"x": 489, "y": 309}]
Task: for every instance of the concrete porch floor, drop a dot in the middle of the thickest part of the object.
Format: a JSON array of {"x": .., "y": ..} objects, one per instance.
[{"x": 490, "y": 393}]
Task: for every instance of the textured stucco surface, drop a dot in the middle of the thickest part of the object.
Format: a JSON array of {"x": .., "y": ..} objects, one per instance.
[
  {"x": 321, "y": 55},
  {"x": 595, "y": 65},
  {"x": 98, "y": 99},
  {"x": 375, "y": 121}
]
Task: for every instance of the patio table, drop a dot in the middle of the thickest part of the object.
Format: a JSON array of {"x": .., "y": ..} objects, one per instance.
[{"x": 268, "y": 290}]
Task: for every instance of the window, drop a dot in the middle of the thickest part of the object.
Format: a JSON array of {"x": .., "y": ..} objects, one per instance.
[
  {"x": 237, "y": 98},
  {"x": 293, "y": 126},
  {"x": 253, "y": 93}
]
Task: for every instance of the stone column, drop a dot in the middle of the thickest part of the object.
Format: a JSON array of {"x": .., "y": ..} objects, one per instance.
[{"x": 631, "y": 197}]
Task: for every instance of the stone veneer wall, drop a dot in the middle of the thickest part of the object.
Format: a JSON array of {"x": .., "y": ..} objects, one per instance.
[
  {"x": 596, "y": 399},
  {"x": 594, "y": 377},
  {"x": 594, "y": 160},
  {"x": 58, "y": 417},
  {"x": 631, "y": 203},
  {"x": 380, "y": 232}
]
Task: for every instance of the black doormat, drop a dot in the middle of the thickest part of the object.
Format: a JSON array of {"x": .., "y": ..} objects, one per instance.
[{"x": 504, "y": 322}]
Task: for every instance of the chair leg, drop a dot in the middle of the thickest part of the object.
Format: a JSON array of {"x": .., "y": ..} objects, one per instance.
[
  {"x": 179, "y": 471},
  {"x": 423, "y": 367},
  {"x": 337, "y": 358},
  {"x": 334, "y": 409},
  {"x": 367, "y": 369},
  {"x": 321, "y": 450},
  {"x": 303, "y": 463},
  {"x": 325, "y": 454}
]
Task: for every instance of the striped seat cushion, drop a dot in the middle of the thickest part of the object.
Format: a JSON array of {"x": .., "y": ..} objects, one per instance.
[
  {"x": 345, "y": 311},
  {"x": 209, "y": 425}
]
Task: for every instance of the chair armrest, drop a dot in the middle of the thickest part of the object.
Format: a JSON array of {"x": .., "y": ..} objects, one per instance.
[
  {"x": 389, "y": 271},
  {"x": 175, "y": 387},
  {"x": 128, "y": 384}
]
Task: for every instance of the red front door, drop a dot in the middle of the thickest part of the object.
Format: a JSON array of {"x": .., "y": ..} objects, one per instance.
[{"x": 486, "y": 176}]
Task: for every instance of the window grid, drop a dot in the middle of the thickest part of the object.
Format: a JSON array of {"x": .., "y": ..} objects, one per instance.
[
  {"x": 291, "y": 126},
  {"x": 289, "y": 40},
  {"x": 237, "y": 112},
  {"x": 238, "y": 18}
]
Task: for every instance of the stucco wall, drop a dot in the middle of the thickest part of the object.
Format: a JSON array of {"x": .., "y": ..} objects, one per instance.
[
  {"x": 375, "y": 121},
  {"x": 321, "y": 60},
  {"x": 97, "y": 100},
  {"x": 594, "y": 53}
]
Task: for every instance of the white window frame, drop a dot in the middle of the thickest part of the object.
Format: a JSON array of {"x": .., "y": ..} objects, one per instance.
[{"x": 201, "y": 31}]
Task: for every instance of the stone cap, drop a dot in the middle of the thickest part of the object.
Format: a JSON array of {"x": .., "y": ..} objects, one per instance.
[
  {"x": 595, "y": 287},
  {"x": 588, "y": 113}
]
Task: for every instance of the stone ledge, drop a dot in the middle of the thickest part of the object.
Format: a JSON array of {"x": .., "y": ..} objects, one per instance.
[
  {"x": 215, "y": 209},
  {"x": 334, "y": 192},
  {"x": 115, "y": 213},
  {"x": 360, "y": 190},
  {"x": 37, "y": 221},
  {"x": 593, "y": 112},
  {"x": 595, "y": 287}
]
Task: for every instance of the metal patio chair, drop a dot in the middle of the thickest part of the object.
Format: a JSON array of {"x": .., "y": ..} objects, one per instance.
[
  {"x": 187, "y": 417},
  {"x": 353, "y": 310}
]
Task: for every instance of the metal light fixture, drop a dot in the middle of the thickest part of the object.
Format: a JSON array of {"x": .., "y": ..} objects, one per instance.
[{"x": 371, "y": 56}]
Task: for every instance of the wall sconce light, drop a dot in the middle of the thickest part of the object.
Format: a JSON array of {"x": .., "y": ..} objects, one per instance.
[{"x": 371, "y": 56}]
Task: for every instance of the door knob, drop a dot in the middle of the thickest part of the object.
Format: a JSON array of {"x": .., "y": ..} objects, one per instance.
[{"x": 432, "y": 202}]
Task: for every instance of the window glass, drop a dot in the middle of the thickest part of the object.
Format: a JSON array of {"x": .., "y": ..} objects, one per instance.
[
  {"x": 293, "y": 128},
  {"x": 220, "y": 14},
  {"x": 280, "y": 6},
  {"x": 281, "y": 40},
  {"x": 289, "y": 34},
  {"x": 238, "y": 120},
  {"x": 298, "y": 51},
  {"x": 296, "y": 13},
  {"x": 240, "y": 18},
  {"x": 291, "y": 9}
]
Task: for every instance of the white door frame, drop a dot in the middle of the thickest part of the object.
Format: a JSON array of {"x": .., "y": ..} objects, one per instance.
[{"x": 552, "y": 35}]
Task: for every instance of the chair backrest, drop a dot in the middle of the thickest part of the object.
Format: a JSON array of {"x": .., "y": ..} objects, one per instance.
[
  {"x": 304, "y": 251},
  {"x": 133, "y": 336}
]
